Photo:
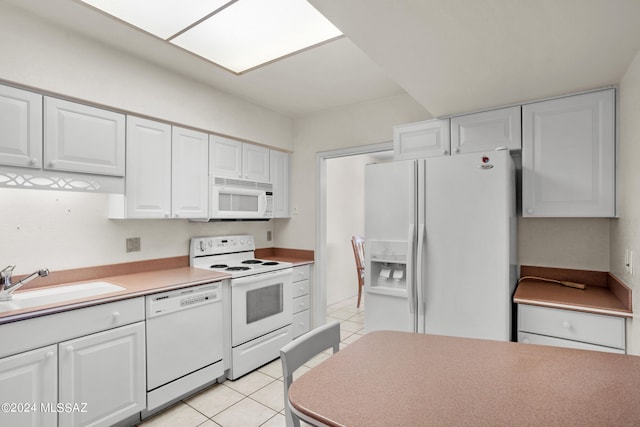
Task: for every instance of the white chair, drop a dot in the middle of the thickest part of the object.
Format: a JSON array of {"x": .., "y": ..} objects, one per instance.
[{"x": 299, "y": 351}]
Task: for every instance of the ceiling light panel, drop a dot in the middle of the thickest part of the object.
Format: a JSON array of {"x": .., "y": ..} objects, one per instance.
[
  {"x": 163, "y": 18},
  {"x": 249, "y": 33}
]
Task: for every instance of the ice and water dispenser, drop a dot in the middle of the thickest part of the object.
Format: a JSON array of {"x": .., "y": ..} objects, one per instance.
[{"x": 388, "y": 266}]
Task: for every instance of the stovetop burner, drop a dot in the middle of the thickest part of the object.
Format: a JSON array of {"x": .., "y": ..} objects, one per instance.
[
  {"x": 270, "y": 263},
  {"x": 239, "y": 268},
  {"x": 251, "y": 261},
  {"x": 219, "y": 266}
]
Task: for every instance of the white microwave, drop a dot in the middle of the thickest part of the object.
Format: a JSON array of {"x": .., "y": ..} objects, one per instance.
[{"x": 240, "y": 199}]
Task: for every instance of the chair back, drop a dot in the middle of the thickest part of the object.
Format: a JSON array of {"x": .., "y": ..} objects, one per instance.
[
  {"x": 299, "y": 351},
  {"x": 357, "y": 242}
]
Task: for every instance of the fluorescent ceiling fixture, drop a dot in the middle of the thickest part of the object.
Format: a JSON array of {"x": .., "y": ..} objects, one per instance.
[{"x": 238, "y": 35}]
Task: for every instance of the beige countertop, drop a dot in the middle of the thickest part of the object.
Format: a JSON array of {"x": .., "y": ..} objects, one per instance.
[
  {"x": 138, "y": 278},
  {"x": 135, "y": 284},
  {"x": 604, "y": 293},
  {"x": 396, "y": 378}
]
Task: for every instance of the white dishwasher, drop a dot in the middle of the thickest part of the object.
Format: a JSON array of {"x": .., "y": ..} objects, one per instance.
[{"x": 184, "y": 333}]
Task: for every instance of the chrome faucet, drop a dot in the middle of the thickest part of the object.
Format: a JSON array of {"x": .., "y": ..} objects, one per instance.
[{"x": 7, "y": 288}]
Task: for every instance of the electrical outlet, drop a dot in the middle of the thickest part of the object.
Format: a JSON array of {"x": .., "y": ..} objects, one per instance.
[
  {"x": 133, "y": 244},
  {"x": 628, "y": 261},
  {"x": 268, "y": 235}
]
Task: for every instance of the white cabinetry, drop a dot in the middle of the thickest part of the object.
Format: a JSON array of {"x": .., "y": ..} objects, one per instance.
[
  {"x": 422, "y": 139},
  {"x": 93, "y": 355},
  {"x": 20, "y": 128},
  {"x": 148, "y": 180},
  {"x": 486, "y": 131},
  {"x": 301, "y": 286},
  {"x": 167, "y": 172},
  {"x": 280, "y": 179},
  {"x": 189, "y": 173},
  {"x": 235, "y": 159},
  {"x": 568, "y": 156},
  {"x": 566, "y": 328},
  {"x": 225, "y": 157},
  {"x": 30, "y": 378},
  {"x": 80, "y": 138},
  {"x": 107, "y": 372}
]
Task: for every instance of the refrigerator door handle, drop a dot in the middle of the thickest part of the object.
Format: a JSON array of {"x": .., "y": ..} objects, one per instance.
[
  {"x": 419, "y": 274},
  {"x": 409, "y": 266}
]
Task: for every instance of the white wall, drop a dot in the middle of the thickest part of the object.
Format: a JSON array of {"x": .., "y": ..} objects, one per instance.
[
  {"x": 71, "y": 230},
  {"x": 63, "y": 230},
  {"x": 625, "y": 231},
  {"x": 345, "y": 217},
  {"x": 361, "y": 124}
]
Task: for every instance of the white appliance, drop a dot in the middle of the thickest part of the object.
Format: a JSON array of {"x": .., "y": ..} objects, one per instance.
[
  {"x": 441, "y": 245},
  {"x": 261, "y": 299},
  {"x": 185, "y": 341},
  {"x": 240, "y": 199}
]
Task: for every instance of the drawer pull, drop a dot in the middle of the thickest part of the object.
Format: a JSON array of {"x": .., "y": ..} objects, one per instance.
[{"x": 566, "y": 325}]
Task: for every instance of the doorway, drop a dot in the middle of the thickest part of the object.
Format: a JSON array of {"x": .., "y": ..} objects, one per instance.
[{"x": 340, "y": 215}]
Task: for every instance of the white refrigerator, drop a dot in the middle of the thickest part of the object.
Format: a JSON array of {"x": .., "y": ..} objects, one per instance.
[{"x": 440, "y": 246}]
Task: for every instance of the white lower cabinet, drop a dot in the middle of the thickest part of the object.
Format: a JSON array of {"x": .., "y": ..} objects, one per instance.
[
  {"x": 102, "y": 377},
  {"x": 83, "y": 367},
  {"x": 301, "y": 298},
  {"x": 573, "y": 329},
  {"x": 29, "y": 385}
]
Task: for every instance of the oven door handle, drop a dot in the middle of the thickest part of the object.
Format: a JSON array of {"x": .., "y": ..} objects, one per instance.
[{"x": 262, "y": 276}]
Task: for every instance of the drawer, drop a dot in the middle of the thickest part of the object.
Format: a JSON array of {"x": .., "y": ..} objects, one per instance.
[
  {"x": 301, "y": 323},
  {"x": 300, "y": 288},
  {"x": 300, "y": 303},
  {"x": 301, "y": 272},
  {"x": 40, "y": 331},
  {"x": 572, "y": 325},
  {"x": 528, "y": 338}
]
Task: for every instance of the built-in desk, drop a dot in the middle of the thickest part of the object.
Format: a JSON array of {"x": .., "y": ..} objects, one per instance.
[{"x": 403, "y": 379}]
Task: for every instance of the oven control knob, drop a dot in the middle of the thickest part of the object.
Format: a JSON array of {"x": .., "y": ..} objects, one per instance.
[{"x": 203, "y": 245}]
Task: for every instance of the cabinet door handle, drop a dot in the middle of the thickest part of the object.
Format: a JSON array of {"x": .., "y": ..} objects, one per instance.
[
  {"x": 52, "y": 164},
  {"x": 116, "y": 314},
  {"x": 33, "y": 161},
  {"x": 526, "y": 341},
  {"x": 69, "y": 349},
  {"x": 48, "y": 355}
]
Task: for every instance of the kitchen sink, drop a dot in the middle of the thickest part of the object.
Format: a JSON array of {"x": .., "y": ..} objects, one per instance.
[{"x": 56, "y": 294}]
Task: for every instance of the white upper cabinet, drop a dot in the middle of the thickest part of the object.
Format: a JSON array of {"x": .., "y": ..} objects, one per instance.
[
  {"x": 189, "y": 173},
  {"x": 167, "y": 172},
  {"x": 279, "y": 171},
  {"x": 568, "y": 156},
  {"x": 486, "y": 131},
  {"x": 80, "y": 138},
  {"x": 226, "y": 157},
  {"x": 234, "y": 159},
  {"x": 255, "y": 162},
  {"x": 20, "y": 127},
  {"x": 148, "y": 181},
  {"x": 422, "y": 139}
]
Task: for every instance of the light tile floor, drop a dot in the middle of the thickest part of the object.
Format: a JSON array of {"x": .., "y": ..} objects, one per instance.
[{"x": 256, "y": 399}]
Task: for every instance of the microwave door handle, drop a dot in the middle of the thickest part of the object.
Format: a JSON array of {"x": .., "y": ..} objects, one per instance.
[{"x": 262, "y": 204}]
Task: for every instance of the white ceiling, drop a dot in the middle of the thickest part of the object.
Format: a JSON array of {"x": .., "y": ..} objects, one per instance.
[{"x": 452, "y": 56}]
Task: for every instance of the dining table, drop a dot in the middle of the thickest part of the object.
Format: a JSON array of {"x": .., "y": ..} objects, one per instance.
[{"x": 390, "y": 378}]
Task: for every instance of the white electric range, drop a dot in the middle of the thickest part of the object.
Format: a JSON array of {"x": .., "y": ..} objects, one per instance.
[{"x": 261, "y": 298}]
